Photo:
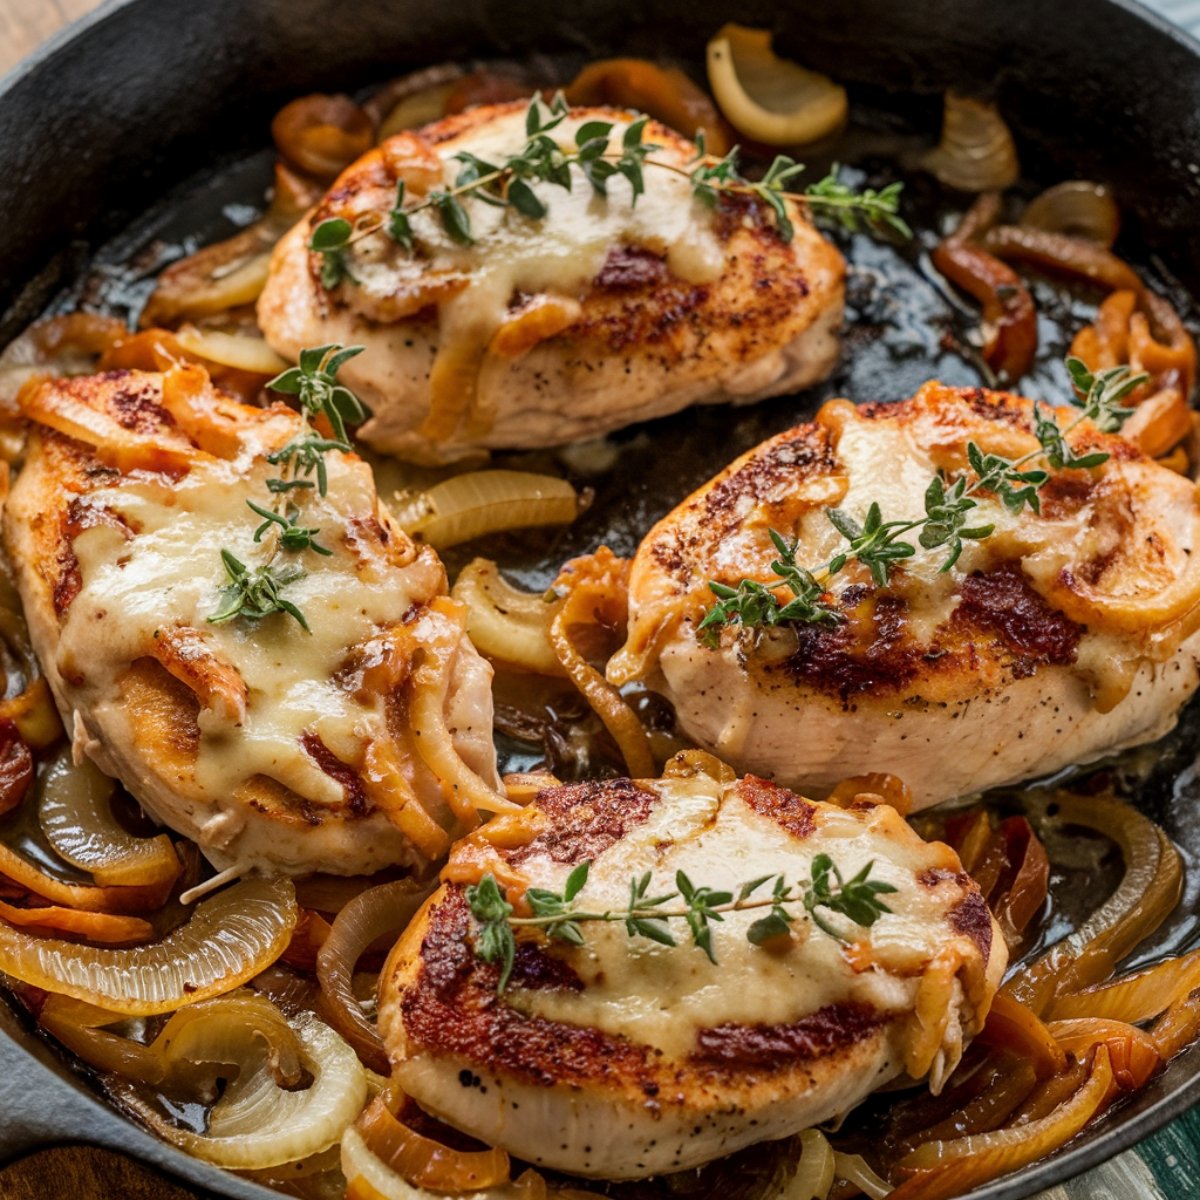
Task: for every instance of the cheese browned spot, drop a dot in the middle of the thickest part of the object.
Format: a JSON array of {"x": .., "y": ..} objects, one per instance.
[
  {"x": 270, "y": 745},
  {"x": 1064, "y": 635},
  {"x": 624, "y": 1057}
]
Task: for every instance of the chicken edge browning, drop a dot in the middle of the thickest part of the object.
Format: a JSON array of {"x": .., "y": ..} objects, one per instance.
[{"x": 623, "y": 1058}]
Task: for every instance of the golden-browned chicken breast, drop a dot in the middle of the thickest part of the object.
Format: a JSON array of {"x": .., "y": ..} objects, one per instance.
[
  {"x": 617, "y": 1056},
  {"x": 339, "y": 721},
  {"x": 543, "y": 330},
  {"x": 1058, "y": 638}
]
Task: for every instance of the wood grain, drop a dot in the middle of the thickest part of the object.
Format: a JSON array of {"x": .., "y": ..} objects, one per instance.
[
  {"x": 26, "y": 24},
  {"x": 85, "y": 1173}
]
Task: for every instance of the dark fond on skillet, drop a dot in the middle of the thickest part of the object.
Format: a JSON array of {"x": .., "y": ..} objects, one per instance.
[{"x": 1091, "y": 89}]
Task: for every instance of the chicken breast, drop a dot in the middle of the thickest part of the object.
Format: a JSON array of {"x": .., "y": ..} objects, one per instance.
[
  {"x": 360, "y": 741},
  {"x": 1061, "y": 637},
  {"x": 622, "y": 1057},
  {"x": 543, "y": 331}
]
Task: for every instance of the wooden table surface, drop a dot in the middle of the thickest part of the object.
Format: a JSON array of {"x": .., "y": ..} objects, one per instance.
[{"x": 1166, "y": 1168}]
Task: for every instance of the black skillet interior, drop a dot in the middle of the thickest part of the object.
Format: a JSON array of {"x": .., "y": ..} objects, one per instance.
[{"x": 151, "y": 93}]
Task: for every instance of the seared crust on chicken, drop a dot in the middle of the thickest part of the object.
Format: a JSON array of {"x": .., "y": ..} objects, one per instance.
[
  {"x": 1063, "y": 636},
  {"x": 270, "y": 746},
  {"x": 624, "y": 1058},
  {"x": 545, "y": 331}
]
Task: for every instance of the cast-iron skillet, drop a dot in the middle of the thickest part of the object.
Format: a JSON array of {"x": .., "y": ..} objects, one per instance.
[{"x": 146, "y": 93}]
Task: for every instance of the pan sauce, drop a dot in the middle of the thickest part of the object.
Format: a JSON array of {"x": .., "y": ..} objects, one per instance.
[{"x": 904, "y": 325}]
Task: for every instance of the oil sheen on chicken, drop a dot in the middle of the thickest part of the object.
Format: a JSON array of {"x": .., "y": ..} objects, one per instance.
[
  {"x": 1065, "y": 635},
  {"x": 624, "y": 1058},
  {"x": 543, "y": 331}
]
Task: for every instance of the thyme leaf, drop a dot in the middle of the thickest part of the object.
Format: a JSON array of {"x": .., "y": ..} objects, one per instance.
[
  {"x": 255, "y": 594},
  {"x": 559, "y": 917},
  {"x": 543, "y": 159},
  {"x": 879, "y": 544}
]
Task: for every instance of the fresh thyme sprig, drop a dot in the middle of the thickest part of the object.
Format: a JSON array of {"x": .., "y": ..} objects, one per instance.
[
  {"x": 291, "y": 534},
  {"x": 255, "y": 594},
  {"x": 542, "y": 159},
  {"x": 649, "y": 916},
  {"x": 880, "y": 544}
]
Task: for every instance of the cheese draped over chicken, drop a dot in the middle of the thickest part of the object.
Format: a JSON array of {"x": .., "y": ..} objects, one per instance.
[
  {"x": 359, "y": 742},
  {"x": 1066, "y": 634},
  {"x": 605, "y": 310},
  {"x": 623, "y": 1057}
]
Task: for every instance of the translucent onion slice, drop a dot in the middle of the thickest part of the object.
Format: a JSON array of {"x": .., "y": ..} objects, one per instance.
[
  {"x": 419, "y": 109},
  {"x": 1077, "y": 207},
  {"x": 424, "y": 1162},
  {"x": 76, "y": 815},
  {"x": 481, "y": 502},
  {"x": 768, "y": 98},
  {"x": 976, "y": 152},
  {"x": 243, "y": 351},
  {"x": 258, "y": 1124},
  {"x": 504, "y": 622},
  {"x": 383, "y": 909},
  {"x": 853, "y": 1168},
  {"x": 814, "y": 1172},
  {"x": 230, "y": 939},
  {"x": 216, "y": 1031}
]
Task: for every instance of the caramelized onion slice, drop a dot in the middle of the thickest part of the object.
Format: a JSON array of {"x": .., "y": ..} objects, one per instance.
[
  {"x": 1135, "y": 998},
  {"x": 1078, "y": 208},
  {"x": 596, "y": 600},
  {"x": 388, "y": 907},
  {"x": 1147, "y": 893},
  {"x": 1132, "y": 1052},
  {"x": 94, "y": 926},
  {"x": 950, "y": 1168},
  {"x": 322, "y": 134},
  {"x": 84, "y": 896},
  {"x": 769, "y": 98},
  {"x": 76, "y": 815},
  {"x": 504, "y": 622},
  {"x": 229, "y": 939},
  {"x": 664, "y": 93},
  {"x": 977, "y": 152},
  {"x": 424, "y": 1162},
  {"x": 369, "y": 1178},
  {"x": 482, "y": 502}
]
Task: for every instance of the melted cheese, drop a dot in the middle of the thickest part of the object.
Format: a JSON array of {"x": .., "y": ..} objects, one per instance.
[
  {"x": 169, "y": 574},
  {"x": 560, "y": 253},
  {"x": 661, "y": 996}
]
